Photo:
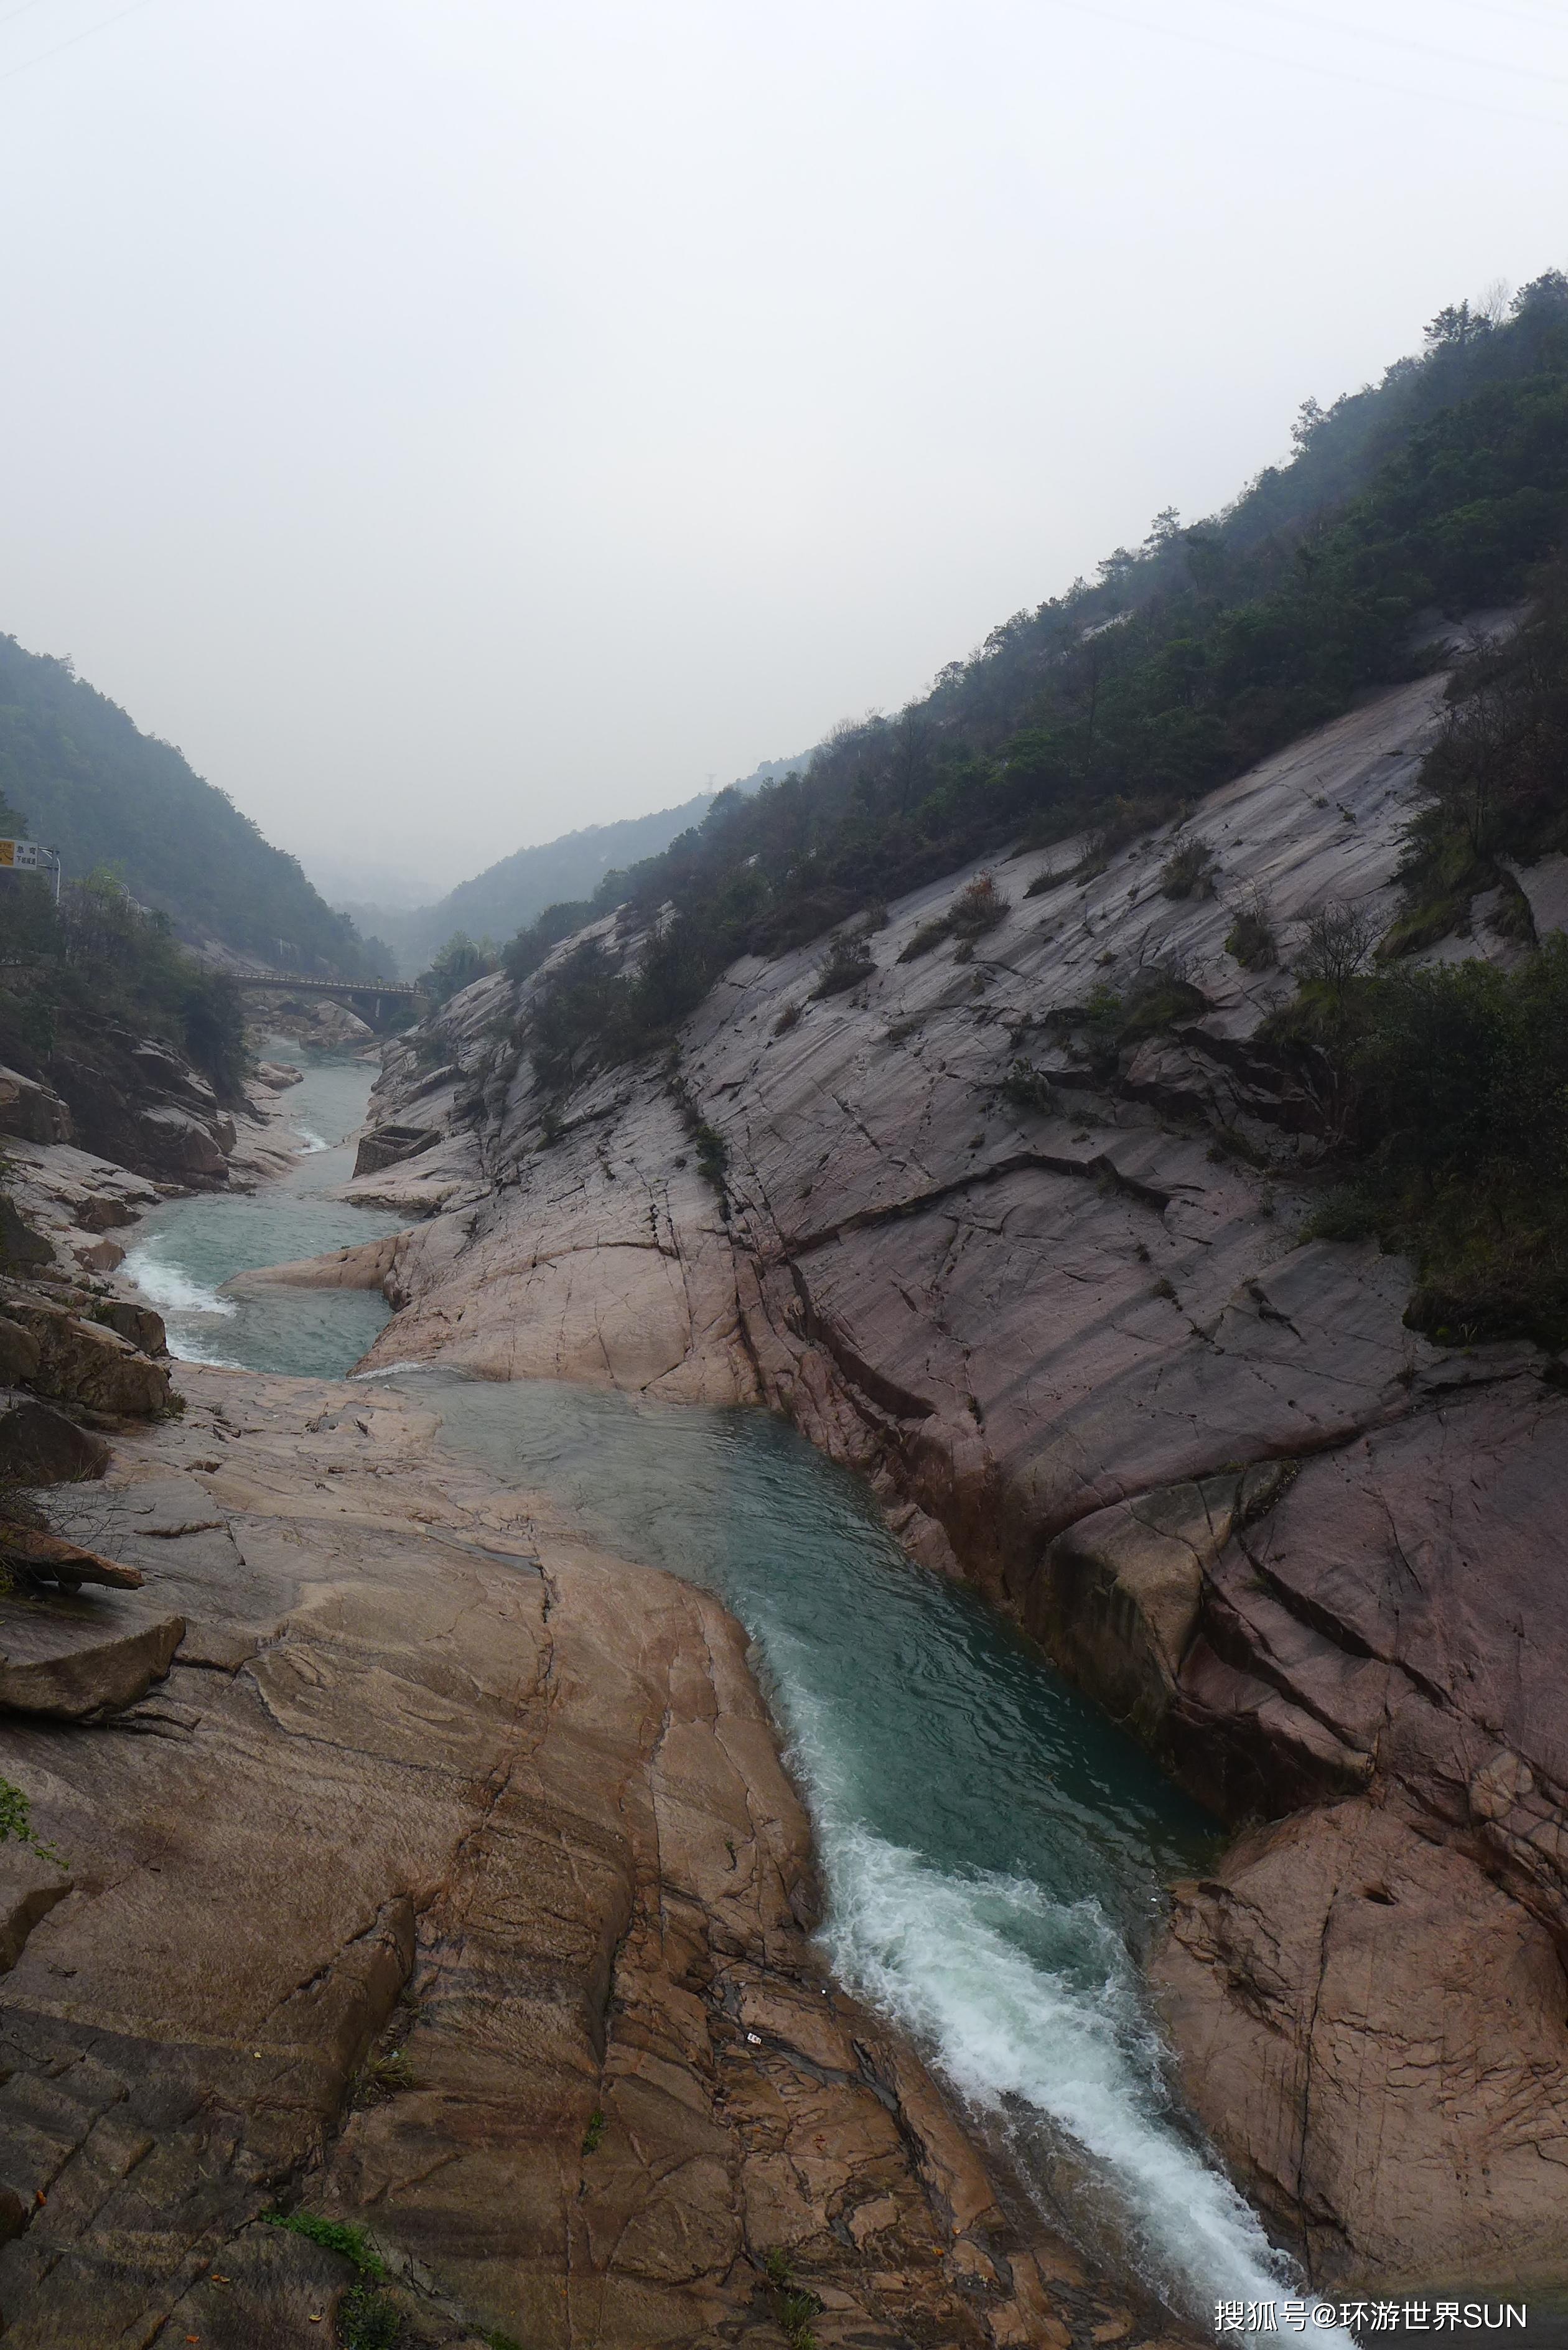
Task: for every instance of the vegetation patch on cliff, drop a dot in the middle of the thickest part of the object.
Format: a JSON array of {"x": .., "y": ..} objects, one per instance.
[
  {"x": 17, "y": 1821},
  {"x": 1449, "y": 1089},
  {"x": 71, "y": 974},
  {"x": 1496, "y": 781}
]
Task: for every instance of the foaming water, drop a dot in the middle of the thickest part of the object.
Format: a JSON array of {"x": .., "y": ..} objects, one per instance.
[
  {"x": 995, "y": 1851},
  {"x": 183, "y": 1252}
]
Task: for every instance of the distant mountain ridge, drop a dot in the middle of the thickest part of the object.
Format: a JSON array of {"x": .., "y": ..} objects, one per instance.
[
  {"x": 507, "y": 895},
  {"x": 92, "y": 785}
]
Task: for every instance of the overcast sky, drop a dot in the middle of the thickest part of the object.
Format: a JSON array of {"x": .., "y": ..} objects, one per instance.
[{"x": 453, "y": 421}]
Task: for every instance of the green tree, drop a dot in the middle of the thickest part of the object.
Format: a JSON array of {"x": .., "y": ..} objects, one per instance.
[{"x": 461, "y": 962}]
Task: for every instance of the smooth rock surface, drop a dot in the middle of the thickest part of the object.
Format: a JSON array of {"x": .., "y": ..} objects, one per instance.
[
  {"x": 430, "y": 1776},
  {"x": 73, "y": 1658},
  {"x": 1058, "y": 1309},
  {"x": 371, "y": 1265},
  {"x": 1336, "y": 1967}
]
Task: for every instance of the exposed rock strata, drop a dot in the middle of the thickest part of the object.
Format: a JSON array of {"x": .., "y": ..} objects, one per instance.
[
  {"x": 139, "y": 1103},
  {"x": 31, "y": 1111},
  {"x": 1057, "y": 1308},
  {"x": 58, "y": 1348},
  {"x": 424, "y": 1773},
  {"x": 1361, "y": 1967}
]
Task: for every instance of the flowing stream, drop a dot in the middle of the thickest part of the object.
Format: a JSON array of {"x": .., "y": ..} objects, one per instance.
[
  {"x": 184, "y": 1250},
  {"x": 995, "y": 1851}
]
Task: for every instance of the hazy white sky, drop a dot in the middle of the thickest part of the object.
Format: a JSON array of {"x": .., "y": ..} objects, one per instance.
[{"x": 453, "y": 421}]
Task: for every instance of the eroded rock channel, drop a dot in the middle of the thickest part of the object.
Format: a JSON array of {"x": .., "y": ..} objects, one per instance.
[
  {"x": 1061, "y": 1305},
  {"x": 1056, "y": 1307},
  {"x": 430, "y": 1870}
]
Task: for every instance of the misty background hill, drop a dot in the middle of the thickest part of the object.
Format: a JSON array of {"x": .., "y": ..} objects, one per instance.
[
  {"x": 507, "y": 895},
  {"x": 1108, "y": 711},
  {"x": 80, "y": 776},
  {"x": 90, "y": 785},
  {"x": 1187, "y": 656}
]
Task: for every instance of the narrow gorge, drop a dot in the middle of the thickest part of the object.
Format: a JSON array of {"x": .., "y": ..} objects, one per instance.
[
  {"x": 824, "y": 1607},
  {"x": 1058, "y": 1310},
  {"x": 424, "y": 1936}
]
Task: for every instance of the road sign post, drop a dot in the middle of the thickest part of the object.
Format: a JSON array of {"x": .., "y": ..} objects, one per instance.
[{"x": 30, "y": 856}]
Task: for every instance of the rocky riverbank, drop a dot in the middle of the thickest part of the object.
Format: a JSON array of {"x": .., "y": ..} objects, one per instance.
[
  {"x": 1059, "y": 1310},
  {"x": 70, "y": 1187},
  {"x": 424, "y": 1871}
]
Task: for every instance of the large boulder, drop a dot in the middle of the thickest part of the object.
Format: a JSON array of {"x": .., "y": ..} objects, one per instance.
[
  {"x": 20, "y": 1353},
  {"x": 81, "y": 1362},
  {"x": 135, "y": 1101},
  {"x": 31, "y": 1111},
  {"x": 99, "y": 1256},
  {"x": 140, "y": 1326},
  {"x": 51, "y": 1558},
  {"x": 179, "y": 1144},
  {"x": 103, "y": 1213},
  {"x": 41, "y": 1447},
  {"x": 70, "y": 1658},
  {"x": 371, "y": 1265},
  {"x": 23, "y": 1249},
  {"x": 166, "y": 1075}
]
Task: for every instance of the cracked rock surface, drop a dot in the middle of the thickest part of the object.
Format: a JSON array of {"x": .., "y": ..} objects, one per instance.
[
  {"x": 1058, "y": 1309},
  {"x": 445, "y": 1880}
]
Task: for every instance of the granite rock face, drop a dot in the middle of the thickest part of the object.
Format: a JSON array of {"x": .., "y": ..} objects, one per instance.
[
  {"x": 141, "y": 1105},
  {"x": 31, "y": 1111},
  {"x": 1052, "y": 1298},
  {"x": 1359, "y": 1965},
  {"x": 74, "y": 1360},
  {"x": 435, "y": 1873}
]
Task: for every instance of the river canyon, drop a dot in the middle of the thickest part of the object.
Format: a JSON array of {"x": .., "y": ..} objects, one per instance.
[
  {"x": 839, "y": 1685},
  {"x": 993, "y": 1853}
]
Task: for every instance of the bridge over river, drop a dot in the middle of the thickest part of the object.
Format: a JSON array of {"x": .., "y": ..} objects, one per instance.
[{"x": 376, "y": 992}]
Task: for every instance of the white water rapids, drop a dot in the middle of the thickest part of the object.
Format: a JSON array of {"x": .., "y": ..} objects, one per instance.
[{"x": 993, "y": 1851}]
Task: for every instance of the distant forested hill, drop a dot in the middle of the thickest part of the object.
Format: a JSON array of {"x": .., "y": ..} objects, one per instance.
[
  {"x": 102, "y": 793},
  {"x": 507, "y": 895},
  {"x": 1109, "y": 710}
]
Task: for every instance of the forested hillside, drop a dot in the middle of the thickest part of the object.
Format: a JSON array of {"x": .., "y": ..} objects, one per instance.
[
  {"x": 1107, "y": 709},
  {"x": 92, "y": 785},
  {"x": 512, "y": 892}
]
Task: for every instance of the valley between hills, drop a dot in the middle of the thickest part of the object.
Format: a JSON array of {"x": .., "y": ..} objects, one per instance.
[{"x": 834, "y": 1616}]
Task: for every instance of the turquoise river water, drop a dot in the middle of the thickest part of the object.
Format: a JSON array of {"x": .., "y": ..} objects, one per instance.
[
  {"x": 994, "y": 1852},
  {"x": 184, "y": 1250}
]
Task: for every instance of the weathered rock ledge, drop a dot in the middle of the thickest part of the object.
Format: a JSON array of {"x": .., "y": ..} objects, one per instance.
[
  {"x": 427, "y": 1870},
  {"x": 1063, "y": 1321}
]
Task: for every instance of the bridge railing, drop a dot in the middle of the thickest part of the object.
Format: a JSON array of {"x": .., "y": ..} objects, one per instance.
[{"x": 300, "y": 983}]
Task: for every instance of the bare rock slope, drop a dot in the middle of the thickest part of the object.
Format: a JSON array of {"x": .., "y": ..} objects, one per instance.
[
  {"x": 426, "y": 1872},
  {"x": 1062, "y": 1319}
]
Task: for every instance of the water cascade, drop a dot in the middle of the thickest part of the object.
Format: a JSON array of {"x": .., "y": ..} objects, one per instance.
[{"x": 993, "y": 1850}]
